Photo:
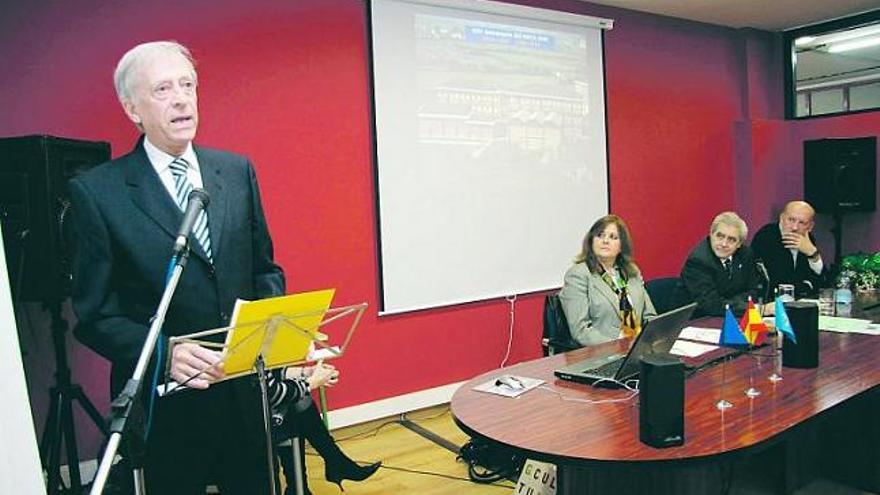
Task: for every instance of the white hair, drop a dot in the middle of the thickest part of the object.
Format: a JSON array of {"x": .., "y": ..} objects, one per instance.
[
  {"x": 124, "y": 76},
  {"x": 733, "y": 220}
]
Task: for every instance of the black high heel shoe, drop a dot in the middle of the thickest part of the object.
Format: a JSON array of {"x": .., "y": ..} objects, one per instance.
[{"x": 337, "y": 474}]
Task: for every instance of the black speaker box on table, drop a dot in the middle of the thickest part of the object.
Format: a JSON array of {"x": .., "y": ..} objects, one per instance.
[
  {"x": 661, "y": 400},
  {"x": 804, "y": 318}
]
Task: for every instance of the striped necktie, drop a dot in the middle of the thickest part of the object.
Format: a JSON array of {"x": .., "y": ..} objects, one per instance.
[{"x": 182, "y": 188}]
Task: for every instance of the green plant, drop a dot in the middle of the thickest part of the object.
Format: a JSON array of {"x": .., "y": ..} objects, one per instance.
[{"x": 860, "y": 271}]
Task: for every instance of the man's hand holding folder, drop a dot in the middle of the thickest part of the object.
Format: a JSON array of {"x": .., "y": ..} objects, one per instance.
[{"x": 196, "y": 366}]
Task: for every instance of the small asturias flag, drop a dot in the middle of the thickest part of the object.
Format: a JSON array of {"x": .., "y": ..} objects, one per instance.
[
  {"x": 731, "y": 335},
  {"x": 753, "y": 326},
  {"x": 782, "y": 322}
]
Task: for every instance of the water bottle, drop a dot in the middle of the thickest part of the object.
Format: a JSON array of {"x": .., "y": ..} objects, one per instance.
[{"x": 843, "y": 301}]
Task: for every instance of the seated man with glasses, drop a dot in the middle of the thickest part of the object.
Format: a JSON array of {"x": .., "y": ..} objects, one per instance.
[{"x": 721, "y": 269}]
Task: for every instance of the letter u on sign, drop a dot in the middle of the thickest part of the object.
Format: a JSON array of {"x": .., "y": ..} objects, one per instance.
[{"x": 537, "y": 478}]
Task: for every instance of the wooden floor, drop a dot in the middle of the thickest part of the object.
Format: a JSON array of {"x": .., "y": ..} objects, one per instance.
[
  {"x": 414, "y": 464},
  {"x": 410, "y": 462}
]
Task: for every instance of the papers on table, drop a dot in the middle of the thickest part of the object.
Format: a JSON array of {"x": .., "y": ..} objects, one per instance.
[
  {"x": 848, "y": 325},
  {"x": 872, "y": 329},
  {"x": 498, "y": 385},
  {"x": 696, "y": 341},
  {"x": 687, "y": 348},
  {"x": 698, "y": 334}
]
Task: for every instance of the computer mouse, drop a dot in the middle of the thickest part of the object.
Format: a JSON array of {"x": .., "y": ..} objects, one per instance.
[{"x": 510, "y": 382}]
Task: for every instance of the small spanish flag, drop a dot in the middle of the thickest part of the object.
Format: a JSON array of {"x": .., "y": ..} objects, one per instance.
[{"x": 753, "y": 326}]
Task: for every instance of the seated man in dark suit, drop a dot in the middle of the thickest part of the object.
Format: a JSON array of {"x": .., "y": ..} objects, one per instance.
[
  {"x": 721, "y": 269},
  {"x": 788, "y": 250}
]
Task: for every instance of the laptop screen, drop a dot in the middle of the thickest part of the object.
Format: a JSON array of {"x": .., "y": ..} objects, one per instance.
[{"x": 658, "y": 336}]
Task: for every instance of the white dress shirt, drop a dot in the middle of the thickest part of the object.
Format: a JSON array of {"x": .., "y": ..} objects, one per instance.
[{"x": 161, "y": 161}]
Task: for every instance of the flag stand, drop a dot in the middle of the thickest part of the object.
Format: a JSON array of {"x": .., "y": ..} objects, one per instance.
[
  {"x": 755, "y": 331},
  {"x": 783, "y": 326},
  {"x": 723, "y": 404},
  {"x": 752, "y": 392},
  {"x": 776, "y": 377},
  {"x": 731, "y": 336}
]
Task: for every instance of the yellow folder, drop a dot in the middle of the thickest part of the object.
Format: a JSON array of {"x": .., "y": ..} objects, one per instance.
[{"x": 293, "y": 320}]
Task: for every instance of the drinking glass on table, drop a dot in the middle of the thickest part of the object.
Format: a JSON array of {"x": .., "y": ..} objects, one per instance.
[
  {"x": 826, "y": 302},
  {"x": 786, "y": 292}
]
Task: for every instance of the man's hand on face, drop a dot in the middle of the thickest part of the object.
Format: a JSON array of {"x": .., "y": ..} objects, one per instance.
[{"x": 793, "y": 240}]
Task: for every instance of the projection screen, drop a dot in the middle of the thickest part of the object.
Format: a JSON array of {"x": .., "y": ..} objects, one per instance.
[{"x": 490, "y": 147}]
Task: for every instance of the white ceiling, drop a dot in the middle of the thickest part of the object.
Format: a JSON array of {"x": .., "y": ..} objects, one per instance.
[{"x": 769, "y": 15}]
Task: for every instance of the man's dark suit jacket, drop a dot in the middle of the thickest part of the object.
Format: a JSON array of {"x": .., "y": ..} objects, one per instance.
[
  {"x": 125, "y": 224},
  {"x": 704, "y": 280},
  {"x": 767, "y": 246}
]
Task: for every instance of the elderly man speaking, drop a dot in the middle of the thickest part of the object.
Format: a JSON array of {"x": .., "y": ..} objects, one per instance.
[{"x": 126, "y": 214}]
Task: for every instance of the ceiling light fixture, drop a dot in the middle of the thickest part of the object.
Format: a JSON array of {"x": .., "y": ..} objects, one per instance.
[
  {"x": 804, "y": 40},
  {"x": 853, "y": 45},
  {"x": 846, "y": 35}
]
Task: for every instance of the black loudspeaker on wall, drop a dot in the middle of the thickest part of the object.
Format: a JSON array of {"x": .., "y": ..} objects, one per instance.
[
  {"x": 661, "y": 401},
  {"x": 804, "y": 318},
  {"x": 34, "y": 171},
  {"x": 840, "y": 175}
]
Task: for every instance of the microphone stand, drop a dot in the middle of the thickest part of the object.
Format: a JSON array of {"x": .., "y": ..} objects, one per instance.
[
  {"x": 765, "y": 294},
  {"x": 124, "y": 404}
]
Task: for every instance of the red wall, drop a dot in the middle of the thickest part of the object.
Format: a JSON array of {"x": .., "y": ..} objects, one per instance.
[
  {"x": 287, "y": 83},
  {"x": 673, "y": 96},
  {"x": 778, "y": 157}
]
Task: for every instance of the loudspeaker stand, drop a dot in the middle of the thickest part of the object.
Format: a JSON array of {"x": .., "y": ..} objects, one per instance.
[{"x": 59, "y": 426}]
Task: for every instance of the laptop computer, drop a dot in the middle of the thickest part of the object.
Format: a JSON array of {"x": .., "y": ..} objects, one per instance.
[{"x": 658, "y": 335}]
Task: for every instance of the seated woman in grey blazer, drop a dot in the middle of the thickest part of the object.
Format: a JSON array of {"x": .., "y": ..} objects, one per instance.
[{"x": 604, "y": 296}]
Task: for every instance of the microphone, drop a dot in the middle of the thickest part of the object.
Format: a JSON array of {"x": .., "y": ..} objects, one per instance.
[
  {"x": 197, "y": 201},
  {"x": 763, "y": 270}
]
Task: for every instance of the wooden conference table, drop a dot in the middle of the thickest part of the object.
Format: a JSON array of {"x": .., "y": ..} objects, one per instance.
[{"x": 596, "y": 446}]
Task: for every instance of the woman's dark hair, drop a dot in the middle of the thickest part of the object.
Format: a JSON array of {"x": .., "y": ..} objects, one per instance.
[{"x": 625, "y": 262}]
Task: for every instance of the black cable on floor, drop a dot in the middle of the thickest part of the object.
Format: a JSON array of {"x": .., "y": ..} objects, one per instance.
[{"x": 447, "y": 476}]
